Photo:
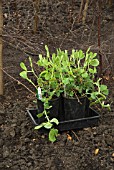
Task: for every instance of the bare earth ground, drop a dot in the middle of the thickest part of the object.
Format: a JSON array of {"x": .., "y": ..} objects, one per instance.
[{"x": 23, "y": 148}]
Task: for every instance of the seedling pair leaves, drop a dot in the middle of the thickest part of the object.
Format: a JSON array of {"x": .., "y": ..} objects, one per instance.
[
  {"x": 48, "y": 125},
  {"x": 23, "y": 74}
]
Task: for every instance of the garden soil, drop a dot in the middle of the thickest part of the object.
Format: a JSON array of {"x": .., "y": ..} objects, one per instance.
[{"x": 22, "y": 147}]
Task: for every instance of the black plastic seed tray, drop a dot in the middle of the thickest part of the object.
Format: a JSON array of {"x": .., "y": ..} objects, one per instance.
[{"x": 90, "y": 120}]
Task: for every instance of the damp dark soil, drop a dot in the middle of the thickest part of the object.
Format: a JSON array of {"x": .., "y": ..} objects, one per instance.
[{"x": 22, "y": 147}]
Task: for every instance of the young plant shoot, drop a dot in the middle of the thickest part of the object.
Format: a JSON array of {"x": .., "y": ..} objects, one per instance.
[{"x": 59, "y": 74}]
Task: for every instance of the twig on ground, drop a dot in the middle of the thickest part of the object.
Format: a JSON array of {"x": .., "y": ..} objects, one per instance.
[
  {"x": 18, "y": 81},
  {"x": 75, "y": 135},
  {"x": 85, "y": 11}
]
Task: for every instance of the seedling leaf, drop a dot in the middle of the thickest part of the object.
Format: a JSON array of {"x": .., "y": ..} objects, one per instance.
[
  {"x": 23, "y": 74},
  {"x": 22, "y": 65},
  {"x": 104, "y": 89},
  {"x": 85, "y": 75},
  {"x": 54, "y": 120},
  {"x": 48, "y": 125},
  {"x": 39, "y": 126},
  {"x": 53, "y": 134},
  {"x": 40, "y": 115},
  {"x": 94, "y": 62}
]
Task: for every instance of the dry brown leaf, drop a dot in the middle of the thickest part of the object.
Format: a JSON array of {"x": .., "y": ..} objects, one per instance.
[
  {"x": 69, "y": 137},
  {"x": 96, "y": 151},
  {"x": 106, "y": 77}
]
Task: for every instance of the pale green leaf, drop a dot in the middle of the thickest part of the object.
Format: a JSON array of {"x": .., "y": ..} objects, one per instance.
[
  {"x": 39, "y": 115},
  {"x": 47, "y": 76},
  {"x": 23, "y": 74},
  {"x": 104, "y": 89},
  {"x": 38, "y": 127},
  {"x": 48, "y": 125},
  {"x": 65, "y": 81},
  {"x": 53, "y": 134},
  {"x": 94, "y": 62},
  {"x": 54, "y": 120},
  {"x": 93, "y": 95},
  {"x": 81, "y": 54},
  {"x": 91, "y": 70},
  {"x": 85, "y": 75},
  {"x": 22, "y": 65}
]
